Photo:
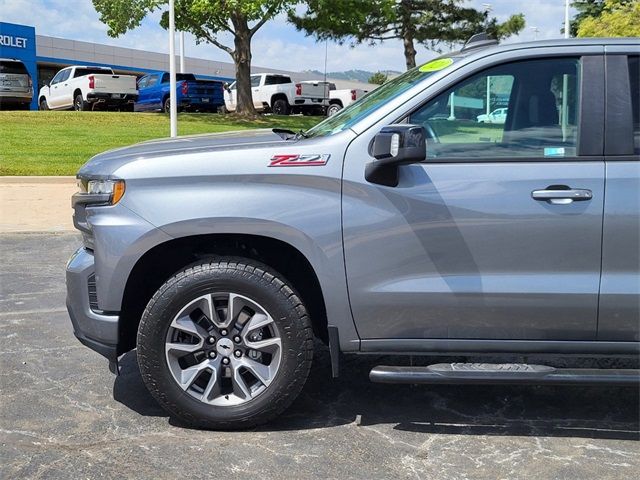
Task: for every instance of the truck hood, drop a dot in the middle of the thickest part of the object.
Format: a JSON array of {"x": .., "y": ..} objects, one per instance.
[{"x": 104, "y": 164}]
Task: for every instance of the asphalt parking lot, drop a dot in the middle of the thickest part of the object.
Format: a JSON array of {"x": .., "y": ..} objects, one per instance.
[{"x": 63, "y": 415}]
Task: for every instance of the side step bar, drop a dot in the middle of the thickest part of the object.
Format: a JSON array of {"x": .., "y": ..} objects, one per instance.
[{"x": 504, "y": 373}]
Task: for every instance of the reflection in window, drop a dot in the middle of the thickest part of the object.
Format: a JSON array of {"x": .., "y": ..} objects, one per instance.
[{"x": 526, "y": 109}]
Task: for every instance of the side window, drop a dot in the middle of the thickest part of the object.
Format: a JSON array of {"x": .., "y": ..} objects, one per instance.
[
  {"x": 56, "y": 78},
  {"x": 64, "y": 75},
  {"x": 165, "y": 78},
  {"x": 519, "y": 109},
  {"x": 271, "y": 80},
  {"x": 153, "y": 80},
  {"x": 142, "y": 83},
  {"x": 255, "y": 81},
  {"x": 634, "y": 82}
]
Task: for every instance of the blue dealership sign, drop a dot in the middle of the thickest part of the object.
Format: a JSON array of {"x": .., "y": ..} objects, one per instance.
[{"x": 19, "y": 41}]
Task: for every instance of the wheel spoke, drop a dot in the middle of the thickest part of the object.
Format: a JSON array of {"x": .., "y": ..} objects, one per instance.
[
  {"x": 183, "y": 347},
  {"x": 239, "y": 386},
  {"x": 260, "y": 371},
  {"x": 213, "y": 387},
  {"x": 259, "y": 320},
  {"x": 190, "y": 375},
  {"x": 268, "y": 344},
  {"x": 185, "y": 324}
]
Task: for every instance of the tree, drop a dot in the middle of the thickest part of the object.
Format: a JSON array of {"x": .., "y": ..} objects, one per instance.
[
  {"x": 378, "y": 78},
  {"x": 617, "y": 19},
  {"x": 206, "y": 20},
  {"x": 428, "y": 22},
  {"x": 589, "y": 9}
]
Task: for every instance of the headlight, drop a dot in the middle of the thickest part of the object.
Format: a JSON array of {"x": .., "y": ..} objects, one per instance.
[{"x": 99, "y": 192}]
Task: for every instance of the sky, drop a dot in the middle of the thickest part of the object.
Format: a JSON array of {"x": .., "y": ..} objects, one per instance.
[{"x": 276, "y": 45}]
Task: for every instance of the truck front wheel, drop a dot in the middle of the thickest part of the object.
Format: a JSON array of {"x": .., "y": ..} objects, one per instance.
[
  {"x": 280, "y": 107},
  {"x": 225, "y": 344}
]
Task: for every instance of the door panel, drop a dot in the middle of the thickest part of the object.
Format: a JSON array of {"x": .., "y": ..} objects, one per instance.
[
  {"x": 463, "y": 251},
  {"x": 619, "y": 315},
  {"x": 619, "y": 312},
  {"x": 468, "y": 245}
]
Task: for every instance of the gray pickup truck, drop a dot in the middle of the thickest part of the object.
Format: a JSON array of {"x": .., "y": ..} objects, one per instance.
[{"x": 400, "y": 226}]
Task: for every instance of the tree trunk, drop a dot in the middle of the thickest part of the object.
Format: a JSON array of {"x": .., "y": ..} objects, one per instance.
[
  {"x": 242, "y": 60},
  {"x": 407, "y": 34},
  {"x": 409, "y": 50}
]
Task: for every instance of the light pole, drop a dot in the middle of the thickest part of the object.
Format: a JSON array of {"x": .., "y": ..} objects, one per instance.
[
  {"x": 566, "y": 19},
  {"x": 181, "y": 52},
  {"x": 173, "y": 110},
  {"x": 535, "y": 32}
]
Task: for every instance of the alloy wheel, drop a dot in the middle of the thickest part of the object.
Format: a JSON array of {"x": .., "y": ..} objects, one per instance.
[{"x": 223, "y": 349}]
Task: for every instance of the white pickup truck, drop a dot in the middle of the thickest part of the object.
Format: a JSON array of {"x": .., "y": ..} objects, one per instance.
[
  {"x": 88, "y": 88},
  {"x": 277, "y": 93},
  {"x": 339, "y": 99}
]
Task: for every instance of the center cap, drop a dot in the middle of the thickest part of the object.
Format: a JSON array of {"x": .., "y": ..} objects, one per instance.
[{"x": 224, "y": 347}]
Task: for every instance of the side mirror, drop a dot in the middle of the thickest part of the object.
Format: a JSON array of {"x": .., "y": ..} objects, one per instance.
[
  {"x": 225, "y": 85},
  {"x": 393, "y": 146}
]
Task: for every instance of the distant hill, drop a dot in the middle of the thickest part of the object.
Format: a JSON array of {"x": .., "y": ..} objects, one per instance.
[{"x": 352, "y": 75}]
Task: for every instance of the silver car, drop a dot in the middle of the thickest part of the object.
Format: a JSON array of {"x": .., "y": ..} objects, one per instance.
[
  {"x": 16, "y": 88},
  {"x": 399, "y": 226}
]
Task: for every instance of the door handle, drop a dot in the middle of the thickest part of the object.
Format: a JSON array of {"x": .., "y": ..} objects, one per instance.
[{"x": 562, "y": 196}]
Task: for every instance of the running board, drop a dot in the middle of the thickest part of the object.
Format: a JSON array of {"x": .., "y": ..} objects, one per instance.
[{"x": 504, "y": 373}]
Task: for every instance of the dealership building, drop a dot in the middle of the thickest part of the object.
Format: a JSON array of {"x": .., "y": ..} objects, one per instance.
[{"x": 44, "y": 56}]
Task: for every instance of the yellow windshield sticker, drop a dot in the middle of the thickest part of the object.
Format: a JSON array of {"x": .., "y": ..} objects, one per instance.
[{"x": 435, "y": 65}]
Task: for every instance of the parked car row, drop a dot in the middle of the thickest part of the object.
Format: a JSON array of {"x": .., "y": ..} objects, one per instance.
[
  {"x": 81, "y": 87},
  {"x": 278, "y": 94}
]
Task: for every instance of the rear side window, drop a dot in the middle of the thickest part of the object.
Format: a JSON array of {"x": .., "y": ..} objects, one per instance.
[
  {"x": 13, "y": 67},
  {"x": 634, "y": 82},
  {"x": 152, "y": 81}
]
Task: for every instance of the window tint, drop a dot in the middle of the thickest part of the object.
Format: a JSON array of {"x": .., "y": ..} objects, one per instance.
[
  {"x": 152, "y": 81},
  {"x": 255, "y": 81},
  {"x": 165, "y": 78},
  {"x": 12, "y": 67},
  {"x": 81, "y": 72},
  {"x": 142, "y": 83},
  {"x": 520, "y": 109},
  {"x": 634, "y": 82}
]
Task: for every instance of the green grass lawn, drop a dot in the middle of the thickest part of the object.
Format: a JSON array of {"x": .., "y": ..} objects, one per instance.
[{"x": 58, "y": 143}]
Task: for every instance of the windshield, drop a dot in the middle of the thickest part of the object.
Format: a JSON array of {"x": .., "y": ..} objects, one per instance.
[{"x": 378, "y": 97}]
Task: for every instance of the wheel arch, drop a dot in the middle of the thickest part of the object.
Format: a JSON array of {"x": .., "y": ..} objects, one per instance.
[
  {"x": 278, "y": 96},
  {"x": 159, "y": 263}
]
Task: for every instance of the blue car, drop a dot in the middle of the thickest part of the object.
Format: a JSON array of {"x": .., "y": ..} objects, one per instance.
[{"x": 192, "y": 95}]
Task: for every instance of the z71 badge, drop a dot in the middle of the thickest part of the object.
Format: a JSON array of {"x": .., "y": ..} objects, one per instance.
[{"x": 299, "y": 160}]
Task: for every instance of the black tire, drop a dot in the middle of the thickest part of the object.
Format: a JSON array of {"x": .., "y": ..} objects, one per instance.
[
  {"x": 79, "y": 105},
  {"x": 333, "y": 109},
  {"x": 253, "y": 280},
  {"x": 43, "y": 105},
  {"x": 280, "y": 107},
  {"x": 166, "y": 105}
]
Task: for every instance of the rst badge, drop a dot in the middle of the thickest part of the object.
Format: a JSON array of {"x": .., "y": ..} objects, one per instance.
[{"x": 313, "y": 160}]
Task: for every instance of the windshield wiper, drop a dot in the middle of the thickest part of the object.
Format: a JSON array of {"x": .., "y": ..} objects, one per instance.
[{"x": 287, "y": 134}]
